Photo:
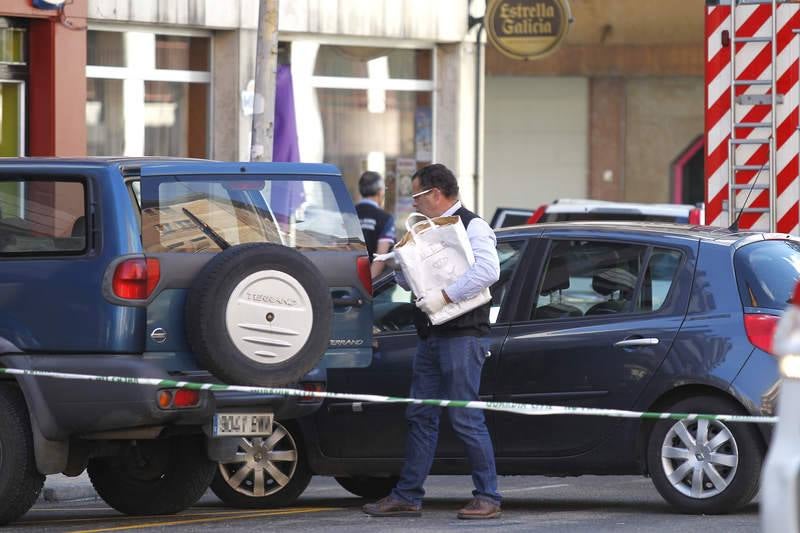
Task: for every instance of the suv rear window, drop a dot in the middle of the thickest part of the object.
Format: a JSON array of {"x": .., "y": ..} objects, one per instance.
[
  {"x": 767, "y": 272},
  {"x": 191, "y": 215}
]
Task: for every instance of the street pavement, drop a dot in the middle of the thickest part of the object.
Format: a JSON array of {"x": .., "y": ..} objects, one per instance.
[{"x": 532, "y": 503}]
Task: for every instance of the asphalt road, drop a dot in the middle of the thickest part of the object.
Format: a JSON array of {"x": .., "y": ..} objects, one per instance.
[{"x": 590, "y": 503}]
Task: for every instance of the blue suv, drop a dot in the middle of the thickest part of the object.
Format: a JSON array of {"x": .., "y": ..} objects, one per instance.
[{"x": 252, "y": 274}]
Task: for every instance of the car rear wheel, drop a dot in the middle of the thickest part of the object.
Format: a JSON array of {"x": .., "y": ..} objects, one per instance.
[
  {"x": 162, "y": 476},
  {"x": 267, "y": 472},
  {"x": 259, "y": 314},
  {"x": 20, "y": 481},
  {"x": 368, "y": 487},
  {"x": 705, "y": 466}
]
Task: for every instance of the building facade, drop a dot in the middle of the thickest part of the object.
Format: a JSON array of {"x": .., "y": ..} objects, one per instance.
[
  {"x": 615, "y": 113},
  {"x": 380, "y": 84},
  {"x": 42, "y": 82}
]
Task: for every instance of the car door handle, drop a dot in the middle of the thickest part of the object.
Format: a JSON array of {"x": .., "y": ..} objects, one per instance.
[
  {"x": 348, "y": 301},
  {"x": 630, "y": 343}
]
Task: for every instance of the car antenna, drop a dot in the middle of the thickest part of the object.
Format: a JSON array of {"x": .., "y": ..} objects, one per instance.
[{"x": 735, "y": 225}]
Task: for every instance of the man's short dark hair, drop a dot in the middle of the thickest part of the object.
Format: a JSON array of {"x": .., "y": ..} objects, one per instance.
[
  {"x": 370, "y": 183},
  {"x": 438, "y": 176}
]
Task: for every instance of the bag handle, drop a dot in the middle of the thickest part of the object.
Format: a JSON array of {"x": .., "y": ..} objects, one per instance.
[{"x": 410, "y": 227}]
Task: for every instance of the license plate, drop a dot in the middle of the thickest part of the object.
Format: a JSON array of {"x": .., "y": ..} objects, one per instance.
[{"x": 242, "y": 424}]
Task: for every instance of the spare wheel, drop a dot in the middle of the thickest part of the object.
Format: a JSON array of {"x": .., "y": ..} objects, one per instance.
[{"x": 259, "y": 314}]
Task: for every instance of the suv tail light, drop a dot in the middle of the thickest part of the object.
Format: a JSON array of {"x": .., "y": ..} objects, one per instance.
[
  {"x": 135, "y": 279},
  {"x": 178, "y": 398},
  {"x": 537, "y": 215},
  {"x": 760, "y": 330},
  {"x": 364, "y": 273}
]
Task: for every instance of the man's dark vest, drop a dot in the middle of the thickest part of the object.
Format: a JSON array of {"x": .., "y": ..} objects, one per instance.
[
  {"x": 474, "y": 323},
  {"x": 373, "y": 221}
]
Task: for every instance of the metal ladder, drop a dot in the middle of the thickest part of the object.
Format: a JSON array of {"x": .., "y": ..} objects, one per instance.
[{"x": 772, "y": 99}]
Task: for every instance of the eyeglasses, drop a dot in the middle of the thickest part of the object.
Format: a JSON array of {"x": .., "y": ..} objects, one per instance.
[{"x": 420, "y": 193}]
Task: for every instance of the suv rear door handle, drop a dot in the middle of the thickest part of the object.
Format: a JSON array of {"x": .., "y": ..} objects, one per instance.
[
  {"x": 348, "y": 301},
  {"x": 631, "y": 343}
]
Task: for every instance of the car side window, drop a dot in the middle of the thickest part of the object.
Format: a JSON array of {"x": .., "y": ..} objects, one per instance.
[
  {"x": 588, "y": 278},
  {"x": 658, "y": 277},
  {"x": 42, "y": 217},
  {"x": 509, "y": 254}
]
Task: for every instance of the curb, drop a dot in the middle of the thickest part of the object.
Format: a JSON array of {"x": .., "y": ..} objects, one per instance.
[{"x": 60, "y": 488}]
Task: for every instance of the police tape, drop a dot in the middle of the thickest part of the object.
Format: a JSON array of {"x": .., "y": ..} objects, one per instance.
[{"x": 507, "y": 407}]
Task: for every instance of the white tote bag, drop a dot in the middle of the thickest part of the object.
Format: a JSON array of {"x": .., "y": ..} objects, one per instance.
[{"x": 433, "y": 254}]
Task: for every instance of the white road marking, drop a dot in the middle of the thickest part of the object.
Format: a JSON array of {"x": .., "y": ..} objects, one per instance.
[{"x": 541, "y": 487}]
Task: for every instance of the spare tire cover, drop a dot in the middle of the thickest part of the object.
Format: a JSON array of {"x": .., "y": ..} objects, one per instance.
[{"x": 259, "y": 314}]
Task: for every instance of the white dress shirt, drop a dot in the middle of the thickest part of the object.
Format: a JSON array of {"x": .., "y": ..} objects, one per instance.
[{"x": 483, "y": 273}]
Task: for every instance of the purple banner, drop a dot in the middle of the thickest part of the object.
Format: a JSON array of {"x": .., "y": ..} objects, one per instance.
[{"x": 286, "y": 196}]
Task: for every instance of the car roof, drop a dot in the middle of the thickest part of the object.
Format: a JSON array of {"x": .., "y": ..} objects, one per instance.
[
  {"x": 705, "y": 233},
  {"x": 171, "y": 165},
  {"x": 569, "y": 205}
]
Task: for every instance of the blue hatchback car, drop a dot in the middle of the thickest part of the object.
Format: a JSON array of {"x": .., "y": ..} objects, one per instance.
[
  {"x": 637, "y": 316},
  {"x": 192, "y": 270}
]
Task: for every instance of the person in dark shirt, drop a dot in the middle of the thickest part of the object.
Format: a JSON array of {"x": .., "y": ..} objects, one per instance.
[{"x": 377, "y": 224}]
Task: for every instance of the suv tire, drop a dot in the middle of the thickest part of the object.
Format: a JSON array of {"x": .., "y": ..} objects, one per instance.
[
  {"x": 163, "y": 476},
  {"x": 20, "y": 482},
  {"x": 368, "y": 487},
  {"x": 259, "y": 314},
  {"x": 289, "y": 464},
  {"x": 735, "y": 456}
]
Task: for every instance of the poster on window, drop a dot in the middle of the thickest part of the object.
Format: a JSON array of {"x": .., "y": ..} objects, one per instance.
[
  {"x": 404, "y": 204},
  {"x": 423, "y": 137}
]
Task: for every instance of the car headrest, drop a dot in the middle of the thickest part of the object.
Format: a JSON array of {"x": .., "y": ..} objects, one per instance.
[
  {"x": 79, "y": 227},
  {"x": 610, "y": 280},
  {"x": 557, "y": 277}
]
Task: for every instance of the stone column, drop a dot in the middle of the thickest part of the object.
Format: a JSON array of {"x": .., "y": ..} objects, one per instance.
[{"x": 606, "y": 138}]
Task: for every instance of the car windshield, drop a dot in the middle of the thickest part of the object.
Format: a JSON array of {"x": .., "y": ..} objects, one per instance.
[
  {"x": 767, "y": 272},
  {"x": 208, "y": 214}
]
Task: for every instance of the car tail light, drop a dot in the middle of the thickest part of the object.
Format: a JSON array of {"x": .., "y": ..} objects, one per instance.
[
  {"x": 537, "y": 215},
  {"x": 312, "y": 386},
  {"x": 364, "y": 274},
  {"x": 694, "y": 216},
  {"x": 135, "y": 279},
  {"x": 178, "y": 398},
  {"x": 760, "y": 330}
]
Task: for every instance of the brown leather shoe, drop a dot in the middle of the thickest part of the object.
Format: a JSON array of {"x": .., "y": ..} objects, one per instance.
[
  {"x": 389, "y": 506},
  {"x": 479, "y": 509}
]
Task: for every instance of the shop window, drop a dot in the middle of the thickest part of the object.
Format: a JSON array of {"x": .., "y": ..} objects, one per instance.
[
  {"x": 366, "y": 108},
  {"x": 141, "y": 87}
]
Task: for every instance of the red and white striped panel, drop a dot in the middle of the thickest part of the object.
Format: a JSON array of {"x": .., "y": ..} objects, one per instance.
[{"x": 752, "y": 62}]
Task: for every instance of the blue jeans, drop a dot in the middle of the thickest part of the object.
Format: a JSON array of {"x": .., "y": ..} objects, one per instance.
[{"x": 447, "y": 368}]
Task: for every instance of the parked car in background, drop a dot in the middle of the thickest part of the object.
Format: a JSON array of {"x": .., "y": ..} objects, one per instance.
[
  {"x": 567, "y": 209},
  {"x": 174, "y": 269},
  {"x": 780, "y": 502},
  {"x": 638, "y": 316}
]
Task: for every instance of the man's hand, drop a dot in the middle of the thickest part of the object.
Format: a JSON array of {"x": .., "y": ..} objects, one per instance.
[{"x": 433, "y": 302}]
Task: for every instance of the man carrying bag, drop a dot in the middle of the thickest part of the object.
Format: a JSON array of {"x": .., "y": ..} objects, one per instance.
[{"x": 448, "y": 362}]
